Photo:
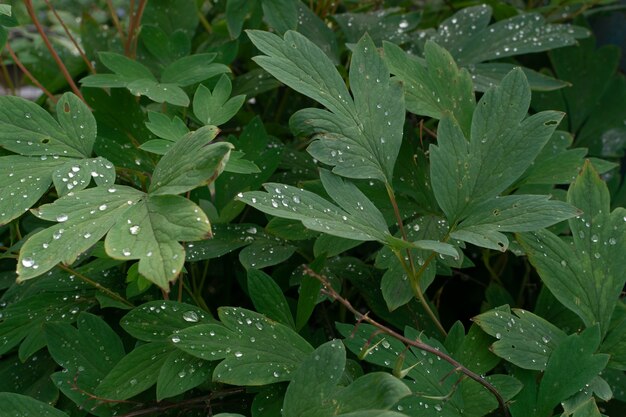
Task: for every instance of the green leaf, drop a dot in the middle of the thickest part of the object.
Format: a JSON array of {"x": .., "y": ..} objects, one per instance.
[
  {"x": 586, "y": 275},
  {"x": 190, "y": 163},
  {"x": 237, "y": 164},
  {"x": 150, "y": 232},
  {"x": 572, "y": 365},
  {"x": 159, "y": 92},
  {"x": 486, "y": 75},
  {"x": 26, "y": 318},
  {"x": 236, "y": 11},
  {"x": 503, "y": 145},
  {"x": 307, "y": 300},
  {"x": 129, "y": 69},
  {"x": 435, "y": 87},
  {"x": 255, "y": 349},
  {"x": 384, "y": 24},
  {"x": 192, "y": 69},
  {"x": 615, "y": 341},
  {"x": 22, "y": 405},
  {"x": 76, "y": 175},
  {"x": 524, "y": 338},
  {"x": 29, "y": 377},
  {"x": 166, "y": 128},
  {"x": 135, "y": 372},
  {"x": 519, "y": 213},
  {"x": 27, "y": 129},
  {"x": 313, "y": 391},
  {"x": 268, "y": 298},
  {"x": 556, "y": 164},
  {"x": 180, "y": 373},
  {"x": 83, "y": 217},
  {"x": 87, "y": 354},
  {"x": 426, "y": 375},
  {"x": 281, "y": 15},
  {"x": 263, "y": 253},
  {"x": 216, "y": 107},
  {"x": 155, "y": 321},
  {"x": 28, "y": 177},
  {"x": 357, "y": 218},
  {"x": 89, "y": 351},
  {"x": 77, "y": 122},
  {"x": 360, "y": 138},
  {"x": 469, "y": 37}
]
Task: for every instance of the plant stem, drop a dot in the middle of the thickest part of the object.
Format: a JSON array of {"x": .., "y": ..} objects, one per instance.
[
  {"x": 330, "y": 291},
  {"x": 116, "y": 22},
  {"x": 7, "y": 76},
  {"x": 66, "y": 74},
  {"x": 135, "y": 19},
  {"x": 96, "y": 285},
  {"x": 69, "y": 35},
  {"x": 30, "y": 76},
  {"x": 414, "y": 276}
]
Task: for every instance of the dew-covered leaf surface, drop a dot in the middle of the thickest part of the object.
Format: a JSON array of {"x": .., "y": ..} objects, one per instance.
[{"x": 255, "y": 350}]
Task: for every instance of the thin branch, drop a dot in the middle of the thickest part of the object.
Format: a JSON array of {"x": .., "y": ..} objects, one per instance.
[
  {"x": 72, "y": 39},
  {"x": 189, "y": 402},
  {"x": 414, "y": 276},
  {"x": 330, "y": 291},
  {"x": 96, "y": 285},
  {"x": 135, "y": 19},
  {"x": 7, "y": 76},
  {"x": 116, "y": 21},
  {"x": 30, "y": 76},
  {"x": 55, "y": 56}
]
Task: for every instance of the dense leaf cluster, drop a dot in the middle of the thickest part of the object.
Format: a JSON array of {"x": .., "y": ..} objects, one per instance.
[{"x": 282, "y": 207}]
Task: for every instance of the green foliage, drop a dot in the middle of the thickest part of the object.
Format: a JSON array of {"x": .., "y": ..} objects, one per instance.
[{"x": 291, "y": 208}]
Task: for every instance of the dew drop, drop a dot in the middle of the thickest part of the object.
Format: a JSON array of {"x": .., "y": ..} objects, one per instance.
[
  {"x": 190, "y": 316},
  {"x": 62, "y": 217},
  {"x": 28, "y": 262},
  {"x": 134, "y": 230}
]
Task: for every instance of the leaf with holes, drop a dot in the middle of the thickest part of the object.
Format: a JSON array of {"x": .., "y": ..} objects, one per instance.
[
  {"x": 52, "y": 150},
  {"x": 359, "y": 137},
  {"x": 585, "y": 275},
  {"x": 255, "y": 350}
]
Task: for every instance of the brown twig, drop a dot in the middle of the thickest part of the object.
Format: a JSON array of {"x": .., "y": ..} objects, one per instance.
[
  {"x": 55, "y": 56},
  {"x": 72, "y": 39},
  {"x": 30, "y": 76},
  {"x": 96, "y": 285},
  {"x": 191, "y": 401},
  {"x": 7, "y": 76},
  {"x": 330, "y": 291},
  {"x": 116, "y": 21},
  {"x": 135, "y": 19}
]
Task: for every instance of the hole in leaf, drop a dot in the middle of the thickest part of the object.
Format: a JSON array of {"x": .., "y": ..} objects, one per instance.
[
  {"x": 66, "y": 107},
  {"x": 45, "y": 140},
  {"x": 551, "y": 123}
]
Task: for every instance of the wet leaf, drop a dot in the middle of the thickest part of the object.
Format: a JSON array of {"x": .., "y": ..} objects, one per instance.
[{"x": 255, "y": 349}]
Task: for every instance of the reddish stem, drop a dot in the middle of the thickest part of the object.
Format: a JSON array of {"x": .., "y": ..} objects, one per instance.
[
  {"x": 55, "y": 56},
  {"x": 30, "y": 76}
]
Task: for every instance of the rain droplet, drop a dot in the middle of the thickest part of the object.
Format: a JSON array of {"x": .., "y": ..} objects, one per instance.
[
  {"x": 190, "y": 316},
  {"x": 61, "y": 218},
  {"x": 28, "y": 262},
  {"x": 102, "y": 207},
  {"x": 175, "y": 339},
  {"x": 134, "y": 230}
]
